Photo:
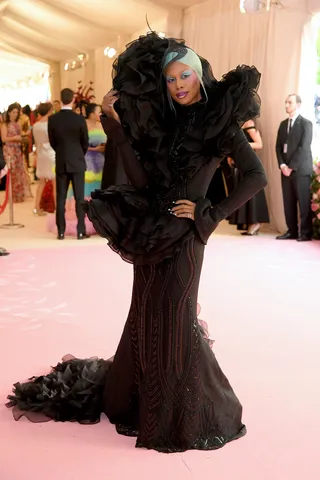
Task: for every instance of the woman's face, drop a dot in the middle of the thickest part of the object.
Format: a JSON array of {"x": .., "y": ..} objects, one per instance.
[
  {"x": 183, "y": 83},
  {"x": 13, "y": 115}
]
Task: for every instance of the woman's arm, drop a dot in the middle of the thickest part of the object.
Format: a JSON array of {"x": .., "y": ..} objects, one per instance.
[
  {"x": 133, "y": 168},
  {"x": 256, "y": 143},
  {"x": 5, "y": 138},
  {"x": 253, "y": 179}
]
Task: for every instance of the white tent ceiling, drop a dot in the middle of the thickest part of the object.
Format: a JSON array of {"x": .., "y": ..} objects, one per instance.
[{"x": 56, "y": 30}]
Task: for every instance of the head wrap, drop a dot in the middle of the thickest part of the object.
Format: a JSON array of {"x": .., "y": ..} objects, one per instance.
[{"x": 186, "y": 55}]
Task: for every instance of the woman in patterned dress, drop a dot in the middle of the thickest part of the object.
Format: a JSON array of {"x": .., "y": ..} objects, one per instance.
[{"x": 12, "y": 151}]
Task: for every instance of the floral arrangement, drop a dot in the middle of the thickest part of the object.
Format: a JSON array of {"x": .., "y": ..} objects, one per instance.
[
  {"x": 315, "y": 205},
  {"x": 84, "y": 94}
]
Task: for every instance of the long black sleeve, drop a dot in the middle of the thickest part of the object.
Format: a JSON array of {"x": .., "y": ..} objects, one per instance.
[
  {"x": 207, "y": 217},
  {"x": 133, "y": 168},
  {"x": 279, "y": 148},
  {"x": 52, "y": 139}
]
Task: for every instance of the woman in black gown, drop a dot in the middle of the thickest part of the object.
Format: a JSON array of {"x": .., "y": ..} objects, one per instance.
[
  {"x": 171, "y": 123},
  {"x": 255, "y": 211}
]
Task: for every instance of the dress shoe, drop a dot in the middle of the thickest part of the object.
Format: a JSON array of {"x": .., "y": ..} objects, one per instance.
[
  {"x": 287, "y": 236},
  {"x": 60, "y": 236},
  {"x": 83, "y": 236},
  {"x": 304, "y": 238},
  {"x": 253, "y": 230}
]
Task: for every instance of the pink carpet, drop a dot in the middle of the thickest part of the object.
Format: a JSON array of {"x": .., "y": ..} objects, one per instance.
[{"x": 261, "y": 300}]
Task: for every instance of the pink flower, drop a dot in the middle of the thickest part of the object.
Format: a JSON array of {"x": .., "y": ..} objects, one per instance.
[
  {"x": 315, "y": 196},
  {"x": 318, "y": 216},
  {"x": 314, "y": 207}
]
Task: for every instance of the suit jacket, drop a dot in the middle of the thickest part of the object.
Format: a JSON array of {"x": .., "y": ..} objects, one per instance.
[
  {"x": 68, "y": 136},
  {"x": 299, "y": 155}
]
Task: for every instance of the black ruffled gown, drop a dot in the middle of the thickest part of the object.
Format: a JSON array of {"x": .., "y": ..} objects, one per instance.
[{"x": 164, "y": 384}]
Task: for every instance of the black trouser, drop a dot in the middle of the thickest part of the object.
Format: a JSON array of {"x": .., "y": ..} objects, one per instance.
[
  {"x": 63, "y": 181},
  {"x": 296, "y": 190}
]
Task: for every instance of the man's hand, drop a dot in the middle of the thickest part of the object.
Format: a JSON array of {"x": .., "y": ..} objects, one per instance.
[
  {"x": 286, "y": 171},
  {"x": 108, "y": 105}
]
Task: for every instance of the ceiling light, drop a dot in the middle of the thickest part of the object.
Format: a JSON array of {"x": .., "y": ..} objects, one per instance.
[
  {"x": 242, "y": 9},
  {"x": 111, "y": 52},
  {"x": 249, "y": 6},
  {"x": 66, "y": 66},
  {"x": 81, "y": 57},
  {"x": 106, "y": 50}
]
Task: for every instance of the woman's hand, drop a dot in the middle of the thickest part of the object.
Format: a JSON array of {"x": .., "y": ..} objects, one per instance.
[
  {"x": 184, "y": 209},
  {"x": 100, "y": 148},
  {"x": 108, "y": 105}
]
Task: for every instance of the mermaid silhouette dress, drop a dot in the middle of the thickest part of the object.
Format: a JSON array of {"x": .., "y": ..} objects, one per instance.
[{"x": 164, "y": 384}]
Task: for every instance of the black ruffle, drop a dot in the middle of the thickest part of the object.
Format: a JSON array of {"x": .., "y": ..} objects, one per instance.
[
  {"x": 171, "y": 145},
  {"x": 134, "y": 228},
  {"x": 238, "y": 102},
  {"x": 72, "y": 392},
  {"x": 149, "y": 123}
]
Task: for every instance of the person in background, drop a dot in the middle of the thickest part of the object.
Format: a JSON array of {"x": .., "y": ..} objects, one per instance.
[
  {"x": 254, "y": 212},
  {"x": 93, "y": 175},
  {"x": 56, "y": 106},
  {"x": 3, "y": 172},
  {"x": 12, "y": 138},
  {"x": 294, "y": 156},
  {"x": 68, "y": 136},
  {"x": 45, "y": 154}
]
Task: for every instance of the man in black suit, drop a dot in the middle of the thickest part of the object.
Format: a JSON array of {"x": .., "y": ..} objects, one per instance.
[
  {"x": 295, "y": 161},
  {"x": 68, "y": 135}
]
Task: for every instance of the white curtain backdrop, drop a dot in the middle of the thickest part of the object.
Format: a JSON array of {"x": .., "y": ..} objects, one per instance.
[{"x": 269, "y": 40}]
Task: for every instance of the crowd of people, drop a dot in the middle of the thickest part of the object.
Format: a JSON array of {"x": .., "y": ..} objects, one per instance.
[
  {"x": 25, "y": 144},
  {"x": 25, "y": 135}
]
